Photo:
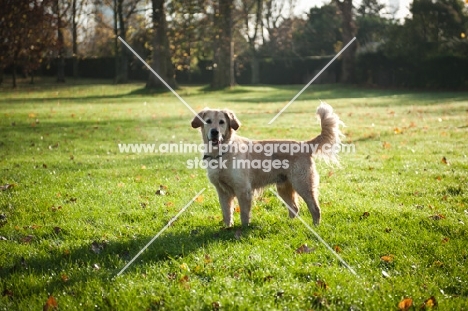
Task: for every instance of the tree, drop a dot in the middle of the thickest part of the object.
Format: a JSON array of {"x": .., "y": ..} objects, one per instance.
[
  {"x": 348, "y": 32},
  {"x": 321, "y": 33},
  {"x": 27, "y": 32},
  {"x": 252, "y": 17},
  {"x": 223, "y": 66},
  {"x": 161, "y": 56}
]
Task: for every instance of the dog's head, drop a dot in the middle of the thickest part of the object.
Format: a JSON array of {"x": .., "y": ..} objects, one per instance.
[{"x": 219, "y": 125}]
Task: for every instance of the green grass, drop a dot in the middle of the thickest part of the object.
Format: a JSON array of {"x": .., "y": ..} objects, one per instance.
[{"x": 72, "y": 187}]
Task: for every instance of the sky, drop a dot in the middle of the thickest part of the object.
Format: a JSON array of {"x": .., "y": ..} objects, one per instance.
[{"x": 400, "y": 6}]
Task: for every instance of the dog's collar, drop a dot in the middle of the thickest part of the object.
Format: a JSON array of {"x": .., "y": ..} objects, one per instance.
[{"x": 210, "y": 157}]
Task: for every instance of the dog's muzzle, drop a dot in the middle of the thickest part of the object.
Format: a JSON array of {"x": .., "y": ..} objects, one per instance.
[{"x": 214, "y": 137}]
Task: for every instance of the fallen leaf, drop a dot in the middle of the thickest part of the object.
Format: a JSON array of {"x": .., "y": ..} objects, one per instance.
[
  {"x": 445, "y": 240},
  {"x": 387, "y": 258},
  {"x": 438, "y": 263},
  {"x": 405, "y": 304},
  {"x": 365, "y": 215},
  {"x": 169, "y": 204},
  {"x": 27, "y": 239},
  {"x": 397, "y": 130},
  {"x": 444, "y": 161},
  {"x": 44, "y": 165},
  {"x": 337, "y": 249},
  {"x": 199, "y": 199},
  {"x": 385, "y": 274},
  {"x": 57, "y": 230},
  {"x": 437, "y": 217},
  {"x": 216, "y": 305},
  {"x": 321, "y": 284},
  {"x": 161, "y": 190},
  {"x": 50, "y": 304},
  {"x": 64, "y": 277},
  {"x": 388, "y": 230},
  {"x": 386, "y": 145},
  {"x": 304, "y": 249},
  {"x": 330, "y": 173},
  {"x": 207, "y": 259},
  {"x": 6, "y": 187},
  {"x": 7, "y": 293},
  {"x": 97, "y": 247},
  {"x": 54, "y": 209},
  {"x": 237, "y": 209},
  {"x": 429, "y": 303}
]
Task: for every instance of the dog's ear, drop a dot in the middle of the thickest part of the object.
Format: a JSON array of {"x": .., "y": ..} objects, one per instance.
[
  {"x": 234, "y": 123},
  {"x": 198, "y": 120}
]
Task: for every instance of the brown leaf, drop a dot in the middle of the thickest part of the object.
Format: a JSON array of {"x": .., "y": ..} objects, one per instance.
[
  {"x": 27, "y": 239},
  {"x": 199, "y": 199},
  {"x": 237, "y": 209},
  {"x": 365, "y": 215},
  {"x": 64, "y": 277},
  {"x": 208, "y": 259},
  {"x": 6, "y": 187},
  {"x": 444, "y": 161},
  {"x": 437, "y": 217},
  {"x": 387, "y": 258},
  {"x": 304, "y": 249},
  {"x": 321, "y": 284},
  {"x": 405, "y": 304},
  {"x": 216, "y": 305},
  {"x": 386, "y": 145},
  {"x": 50, "y": 304},
  {"x": 337, "y": 249},
  {"x": 445, "y": 240},
  {"x": 7, "y": 293},
  {"x": 429, "y": 303}
]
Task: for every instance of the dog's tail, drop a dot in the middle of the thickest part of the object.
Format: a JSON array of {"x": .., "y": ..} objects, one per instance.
[{"x": 327, "y": 145}]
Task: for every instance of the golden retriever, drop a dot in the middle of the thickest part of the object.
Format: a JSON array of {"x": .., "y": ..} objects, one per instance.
[{"x": 238, "y": 166}]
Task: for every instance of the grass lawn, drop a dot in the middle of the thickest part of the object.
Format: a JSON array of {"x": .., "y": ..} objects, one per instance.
[{"x": 77, "y": 210}]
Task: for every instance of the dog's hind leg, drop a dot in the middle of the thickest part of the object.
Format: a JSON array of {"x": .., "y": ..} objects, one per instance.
[
  {"x": 306, "y": 185},
  {"x": 287, "y": 193}
]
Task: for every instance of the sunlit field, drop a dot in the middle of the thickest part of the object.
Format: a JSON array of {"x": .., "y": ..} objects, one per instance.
[{"x": 74, "y": 210}]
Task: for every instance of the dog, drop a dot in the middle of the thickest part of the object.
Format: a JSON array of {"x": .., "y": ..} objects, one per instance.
[{"x": 238, "y": 170}]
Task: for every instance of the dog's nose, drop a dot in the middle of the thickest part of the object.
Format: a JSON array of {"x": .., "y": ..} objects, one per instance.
[{"x": 214, "y": 132}]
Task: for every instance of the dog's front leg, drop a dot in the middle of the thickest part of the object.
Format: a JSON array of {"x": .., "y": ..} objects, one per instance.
[
  {"x": 227, "y": 206},
  {"x": 244, "y": 197}
]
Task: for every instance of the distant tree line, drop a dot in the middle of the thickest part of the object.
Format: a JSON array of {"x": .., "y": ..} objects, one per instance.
[{"x": 226, "y": 42}]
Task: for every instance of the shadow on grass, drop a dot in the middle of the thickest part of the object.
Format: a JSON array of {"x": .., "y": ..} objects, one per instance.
[{"x": 64, "y": 268}]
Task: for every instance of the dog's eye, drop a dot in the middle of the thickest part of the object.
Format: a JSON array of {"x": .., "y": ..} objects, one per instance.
[
  {"x": 221, "y": 122},
  {"x": 208, "y": 121}
]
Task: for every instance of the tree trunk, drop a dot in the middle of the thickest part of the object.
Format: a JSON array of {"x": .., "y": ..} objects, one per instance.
[
  {"x": 61, "y": 44},
  {"x": 223, "y": 67},
  {"x": 75, "y": 40},
  {"x": 14, "y": 75},
  {"x": 348, "y": 73},
  {"x": 161, "y": 56},
  {"x": 255, "y": 67},
  {"x": 122, "y": 71}
]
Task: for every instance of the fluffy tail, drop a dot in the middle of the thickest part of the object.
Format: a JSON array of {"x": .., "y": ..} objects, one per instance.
[{"x": 327, "y": 145}]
